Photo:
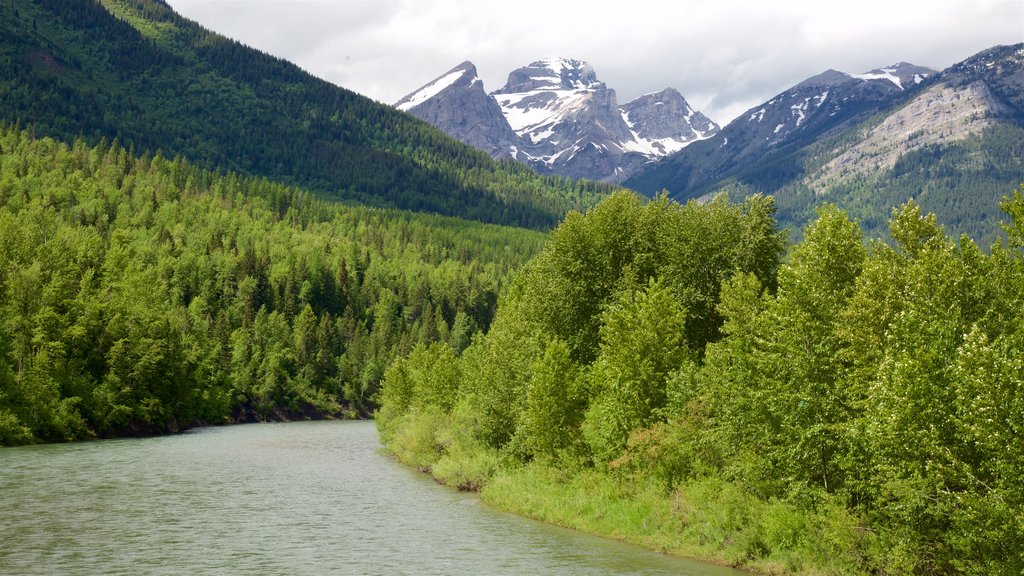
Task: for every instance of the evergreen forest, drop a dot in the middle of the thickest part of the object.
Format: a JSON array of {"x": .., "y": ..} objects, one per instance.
[{"x": 146, "y": 295}]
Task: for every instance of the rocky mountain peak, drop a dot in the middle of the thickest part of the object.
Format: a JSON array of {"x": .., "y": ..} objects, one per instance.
[
  {"x": 664, "y": 122},
  {"x": 457, "y": 103},
  {"x": 829, "y": 77},
  {"x": 552, "y": 74},
  {"x": 556, "y": 116},
  {"x": 463, "y": 75},
  {"x": 903, "y": 75}
]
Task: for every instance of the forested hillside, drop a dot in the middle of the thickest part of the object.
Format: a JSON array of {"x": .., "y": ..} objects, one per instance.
[
  {"x": 145, "y": 295},
  {"x": 960, "y": 182},
  {"x": 659, "y": 374},
  {"x": 136, "y": 71}
]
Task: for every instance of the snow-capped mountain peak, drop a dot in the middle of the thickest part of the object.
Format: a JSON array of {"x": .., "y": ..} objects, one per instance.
[
  {"x": 902, "y": 74},
  {"x": 465, "y": 71},
  {"x": 559, "y": 118},
  {"x": 654, "y": 121},
  {"x": 552, "y": 74}
]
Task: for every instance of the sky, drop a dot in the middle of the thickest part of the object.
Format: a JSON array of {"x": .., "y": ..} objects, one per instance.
[{"x": 724, "y": 56}]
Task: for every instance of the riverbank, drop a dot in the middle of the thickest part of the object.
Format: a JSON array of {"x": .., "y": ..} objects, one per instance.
[{"x": 707, "y": 519}]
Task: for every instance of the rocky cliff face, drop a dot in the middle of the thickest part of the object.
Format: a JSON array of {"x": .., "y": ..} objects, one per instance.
[
  {"x": 456, "y": 102},
  {"x": 562, "y": 119},
  {"x": 941, "y": 115}
]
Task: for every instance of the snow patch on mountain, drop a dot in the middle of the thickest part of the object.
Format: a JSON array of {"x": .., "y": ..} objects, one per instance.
[
  {"x": 529, "y": 112},
  {"x": 431, "y": 90},
  {"x": 882, "y": 74}
]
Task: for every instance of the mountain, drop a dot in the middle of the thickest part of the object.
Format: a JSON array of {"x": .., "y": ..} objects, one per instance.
[
  {"x": 557, "y": 117},
  {"x": 458, "y": 100},
  {"x": 951, "y": 140},
  {"x": 135, "y": 71},
  {"x": 821, "y": 104},
  {"x": 654, "y": 120}
]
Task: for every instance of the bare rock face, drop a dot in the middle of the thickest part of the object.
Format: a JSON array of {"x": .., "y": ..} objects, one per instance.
[
  {"x": 941, "y": 115},
  {"x": 562, "y": 119},
  {"x": 979, "y": 92},
  {"x": 457, "y": 103}
]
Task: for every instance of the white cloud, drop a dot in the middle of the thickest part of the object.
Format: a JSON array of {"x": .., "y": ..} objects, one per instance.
[{"x": 724, "y": 55}]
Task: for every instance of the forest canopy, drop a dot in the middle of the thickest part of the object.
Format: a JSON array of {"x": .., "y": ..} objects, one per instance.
[
  {"x": 855, "y": 407},
  {"x": 145, "y": 295}
]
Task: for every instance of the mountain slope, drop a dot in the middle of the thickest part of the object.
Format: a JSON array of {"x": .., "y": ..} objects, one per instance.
[
  {"x": 557, "y": 117},
  {"x": 155, "y": 80},
  {"x": 821, "y": 104},
  {"x": 957, "y": 148},
  {"x": 954, "y": 141}
]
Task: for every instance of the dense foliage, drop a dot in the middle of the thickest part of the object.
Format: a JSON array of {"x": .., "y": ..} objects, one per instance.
[
  {"x": 136, "y": 71},
  {"x": 143, "y": 295},
  {"x": 857, "y": 409}
]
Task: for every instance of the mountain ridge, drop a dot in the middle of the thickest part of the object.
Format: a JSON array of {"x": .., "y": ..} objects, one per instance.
[
  {"x": 869, "y": 142},
  {"x": 564, "y": 120},
  {"x": 817, "y": 105}
]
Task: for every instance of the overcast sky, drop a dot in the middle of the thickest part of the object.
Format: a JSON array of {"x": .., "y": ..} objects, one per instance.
[{"x": 724, "y": 56}]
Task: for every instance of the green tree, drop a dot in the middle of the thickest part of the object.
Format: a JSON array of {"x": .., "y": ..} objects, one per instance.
[
  {"x": 776, "y": 382},
  {"x": 642, "y": 343},
  {"x": 555, "y": 403}
]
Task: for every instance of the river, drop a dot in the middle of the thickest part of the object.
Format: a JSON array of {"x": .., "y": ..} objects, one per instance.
[{"x": 295, "y": 498}]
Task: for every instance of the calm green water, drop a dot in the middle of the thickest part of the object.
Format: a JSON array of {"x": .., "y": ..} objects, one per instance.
[{"x": 299, "y": 498}]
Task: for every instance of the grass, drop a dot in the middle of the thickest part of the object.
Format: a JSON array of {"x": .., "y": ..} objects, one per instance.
[{"x": 708, "y": 519}]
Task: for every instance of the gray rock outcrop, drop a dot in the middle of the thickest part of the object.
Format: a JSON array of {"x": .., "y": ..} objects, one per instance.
[{"x": 457, "y": 103}]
